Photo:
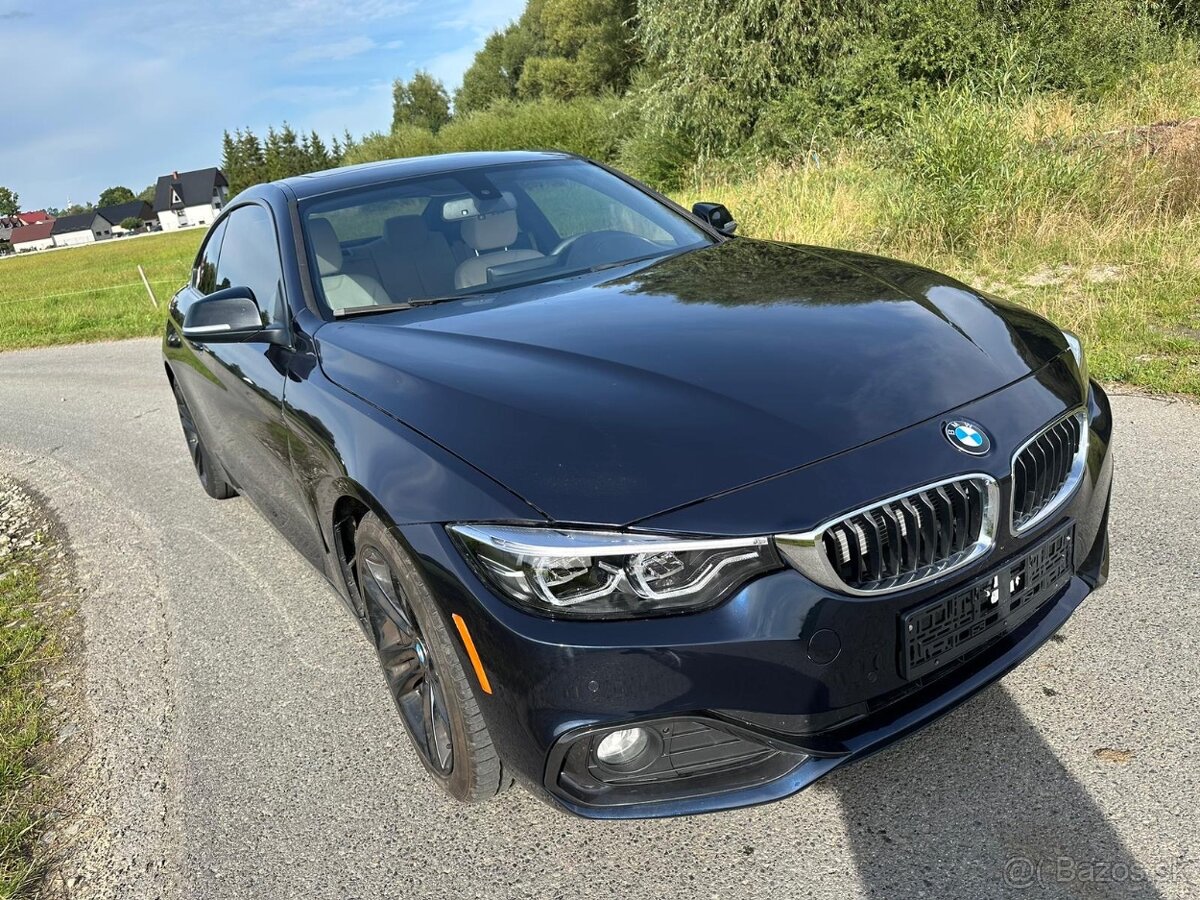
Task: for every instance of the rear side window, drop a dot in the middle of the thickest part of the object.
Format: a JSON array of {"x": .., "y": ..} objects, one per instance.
[{"x": 250, "y": 258}]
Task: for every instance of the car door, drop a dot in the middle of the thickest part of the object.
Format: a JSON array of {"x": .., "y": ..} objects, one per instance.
[{"x": 240, "y": 387}]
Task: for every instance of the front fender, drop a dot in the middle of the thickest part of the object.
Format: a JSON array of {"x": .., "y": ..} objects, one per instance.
[{"x": 342, "y": 446}]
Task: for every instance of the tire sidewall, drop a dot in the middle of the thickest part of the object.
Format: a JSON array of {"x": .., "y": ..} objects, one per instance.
[{"x": 461, "y": 782}]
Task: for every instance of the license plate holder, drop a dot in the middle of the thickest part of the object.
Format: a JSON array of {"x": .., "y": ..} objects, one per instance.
[{"x": 943, "y": 630}]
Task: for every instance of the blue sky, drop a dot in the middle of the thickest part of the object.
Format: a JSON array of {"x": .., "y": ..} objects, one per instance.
[{"x": 99, "y": 93}]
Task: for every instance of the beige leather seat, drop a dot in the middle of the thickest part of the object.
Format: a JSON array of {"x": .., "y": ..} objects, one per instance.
[
  {"x": 490, "y": 237},
  {"x": 343, "y": 290},
  {"x": 413, "y": 261}
]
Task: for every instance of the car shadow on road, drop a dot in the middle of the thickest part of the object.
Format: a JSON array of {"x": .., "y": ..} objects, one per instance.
[{"x": 980, "y": 806}]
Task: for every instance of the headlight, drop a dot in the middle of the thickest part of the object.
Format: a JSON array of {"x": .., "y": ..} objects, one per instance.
[
  {"x": 1076, "y": 346},
  {"x": 605, "y": 575}
]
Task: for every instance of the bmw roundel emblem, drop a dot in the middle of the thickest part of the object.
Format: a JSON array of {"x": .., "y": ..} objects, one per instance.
[{"x": 968, "y": 437}]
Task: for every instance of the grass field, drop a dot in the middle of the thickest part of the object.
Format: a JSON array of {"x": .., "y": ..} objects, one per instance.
[{"x": 91, "y": 293}]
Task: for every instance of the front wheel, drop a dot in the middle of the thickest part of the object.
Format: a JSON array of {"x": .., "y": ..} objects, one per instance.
[{"x": 422, "y": 669}]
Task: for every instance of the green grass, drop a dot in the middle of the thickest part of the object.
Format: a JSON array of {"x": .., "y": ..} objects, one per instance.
[
  {"x": 91, "y": 293},
  {"x": 25, "y": 645}
]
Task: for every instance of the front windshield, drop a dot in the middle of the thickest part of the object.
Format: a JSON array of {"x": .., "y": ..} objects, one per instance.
[{"x": 486, "y": 229}]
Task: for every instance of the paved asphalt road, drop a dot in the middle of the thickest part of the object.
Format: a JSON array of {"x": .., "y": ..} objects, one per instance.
[{"x": 244, "y": 744}]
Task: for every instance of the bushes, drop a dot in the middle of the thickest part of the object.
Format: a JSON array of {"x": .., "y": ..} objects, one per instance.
[
  {"x": 728, "y": 74},
  {"x": 1085, "y": 46},
  {"x": 592, "y": 127},
  {"x": 407, "y": 140},
  {"x": 589, "y": 126}
]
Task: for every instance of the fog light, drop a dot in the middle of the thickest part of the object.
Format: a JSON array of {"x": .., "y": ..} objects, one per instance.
[{"x": 621, "y": 747}]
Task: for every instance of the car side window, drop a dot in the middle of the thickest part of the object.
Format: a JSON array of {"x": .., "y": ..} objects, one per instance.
[
  {"x": 250, "y": 258},
  {"x": 206, "y": 267}
]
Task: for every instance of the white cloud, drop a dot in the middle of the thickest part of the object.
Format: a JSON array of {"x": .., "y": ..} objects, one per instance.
[
  {"x": 185, "y": 72},
  {"x": 483, "y": 16},
  {"x": 335, "y": 50}
]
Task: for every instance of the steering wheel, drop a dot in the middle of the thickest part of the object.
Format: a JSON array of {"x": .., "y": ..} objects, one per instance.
[{"x": 595, "y": 241}]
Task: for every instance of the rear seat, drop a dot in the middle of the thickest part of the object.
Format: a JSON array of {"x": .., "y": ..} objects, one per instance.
[{"x": 412, "y": 260}]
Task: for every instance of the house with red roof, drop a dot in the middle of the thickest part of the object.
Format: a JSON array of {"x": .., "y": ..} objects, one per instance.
[
  {"x": 33, "y": 237},
  {"x": 36, "y": 217}
]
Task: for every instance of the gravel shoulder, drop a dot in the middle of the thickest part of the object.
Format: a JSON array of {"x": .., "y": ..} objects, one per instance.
[{"x": 243, "y": 743}]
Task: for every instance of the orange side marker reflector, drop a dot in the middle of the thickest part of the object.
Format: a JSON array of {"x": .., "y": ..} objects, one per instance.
[{"x": 472, "y": 652}]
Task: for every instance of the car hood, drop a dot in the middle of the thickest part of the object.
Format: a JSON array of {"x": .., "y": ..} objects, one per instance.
[{"x": 610, "y": 397}]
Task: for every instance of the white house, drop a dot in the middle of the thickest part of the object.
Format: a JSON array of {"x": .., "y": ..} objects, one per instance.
[
  {"x": 138, "y": 210},
  {"x": 33, "y": 237},
  {"x": 186, "y": 199},
  {"x": 85, "y": 228}
]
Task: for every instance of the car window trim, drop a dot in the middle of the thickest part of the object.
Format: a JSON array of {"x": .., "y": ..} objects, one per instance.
[{"x": 288, "y": 315}]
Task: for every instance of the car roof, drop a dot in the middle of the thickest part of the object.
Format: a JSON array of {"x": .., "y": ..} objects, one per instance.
[{"x": 314, "y": 183}]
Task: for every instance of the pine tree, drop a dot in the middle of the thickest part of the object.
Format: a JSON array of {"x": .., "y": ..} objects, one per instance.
[
  {"x": 272, "y": 155},
  {"x": 231, "y": 162},
  {"x": 252, "y": 157},
  {"x": 318, "y": 155}
]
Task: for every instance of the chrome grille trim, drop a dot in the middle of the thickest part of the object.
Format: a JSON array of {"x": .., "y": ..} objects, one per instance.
[
  {"x": 935, "y": 544},
  {"x": 1038, "y": 468}
]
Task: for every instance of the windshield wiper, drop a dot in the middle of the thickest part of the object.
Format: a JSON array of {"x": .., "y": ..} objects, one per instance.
[
  {"x": 350, "y": 311},
  {"x": 429, "y": 301},
  {"x": 410, "y": 303},
  {"x": 628, "y": 262}
]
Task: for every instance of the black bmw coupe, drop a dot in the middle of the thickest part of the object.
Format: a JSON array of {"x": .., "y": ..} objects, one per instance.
[{"x": 651, "y": 518}]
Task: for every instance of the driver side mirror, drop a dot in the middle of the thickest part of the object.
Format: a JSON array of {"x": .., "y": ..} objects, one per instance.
[
  {"x": 715, "y": 215},
  {"x": 229, "y": 316}
]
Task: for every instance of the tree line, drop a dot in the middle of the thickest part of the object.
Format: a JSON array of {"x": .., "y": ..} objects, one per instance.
[{"x": 10, "y": 201}]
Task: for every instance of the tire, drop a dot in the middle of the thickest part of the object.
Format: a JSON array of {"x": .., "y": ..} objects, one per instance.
[
  {"x": 209, "y": 470},
  {"x": 422, "y": 668}
]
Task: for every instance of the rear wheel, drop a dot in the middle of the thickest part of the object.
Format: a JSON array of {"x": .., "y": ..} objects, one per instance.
[
  {"x": 210, "y": 472},
  {"x": 428, "y": 683}
]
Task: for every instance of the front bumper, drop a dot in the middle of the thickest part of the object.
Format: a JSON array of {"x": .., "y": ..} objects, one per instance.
[{"x": 809, "y": 675}]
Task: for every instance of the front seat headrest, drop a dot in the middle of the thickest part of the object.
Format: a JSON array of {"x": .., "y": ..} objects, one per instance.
[
  {"x": 325, "y": 246},
  {"x": 491, "y": 232}
]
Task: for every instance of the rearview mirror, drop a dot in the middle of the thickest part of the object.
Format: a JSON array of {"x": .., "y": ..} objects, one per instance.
[
  {"x": 469, "y": 207},
  {"x": 715, "y": 215},
  {"x": 228, "y": 317}
]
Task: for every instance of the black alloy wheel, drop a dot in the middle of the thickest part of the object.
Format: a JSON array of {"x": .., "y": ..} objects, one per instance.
[
  {"x": 408, "y": 665},
  {"x": 425, "y": 674}
]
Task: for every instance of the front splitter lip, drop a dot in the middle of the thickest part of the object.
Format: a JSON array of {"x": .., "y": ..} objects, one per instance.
[{"x": 862, "y": 744}]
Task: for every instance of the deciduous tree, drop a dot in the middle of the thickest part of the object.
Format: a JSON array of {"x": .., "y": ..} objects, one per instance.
[
  {"x": 557, "y": 49},
  {"x": 423, "y": 101},
  {"x": 115, "y": 196}
]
